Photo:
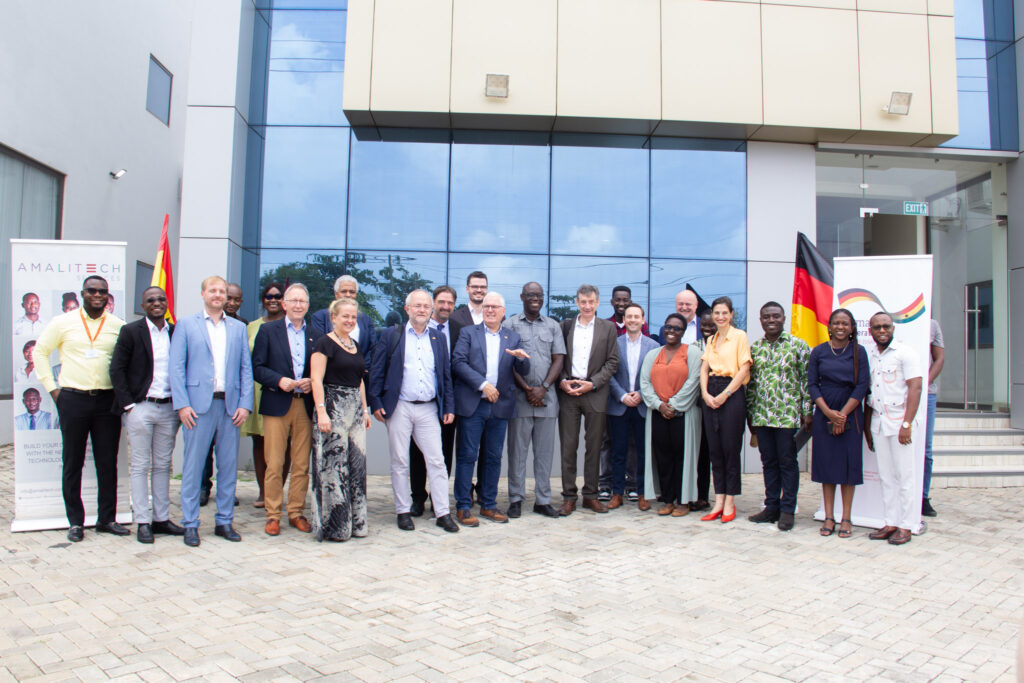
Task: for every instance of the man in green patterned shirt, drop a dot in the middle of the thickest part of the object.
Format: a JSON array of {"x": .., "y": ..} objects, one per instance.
[{"x": 778, "y": 403}]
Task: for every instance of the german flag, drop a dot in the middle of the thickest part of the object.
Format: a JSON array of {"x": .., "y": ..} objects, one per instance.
[
  {"x": 812, "y": 293},
  {"x": 162, "y": 272}
]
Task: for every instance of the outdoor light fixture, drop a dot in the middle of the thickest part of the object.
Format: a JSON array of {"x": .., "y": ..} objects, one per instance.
[
  {"x": 116, "y": 175},
  {"x": 496, "y": 85},
  {"x": 899, "y": 103}
]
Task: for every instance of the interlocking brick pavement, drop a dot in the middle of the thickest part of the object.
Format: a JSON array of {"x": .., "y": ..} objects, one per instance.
[{"x": 622, "y": 596}]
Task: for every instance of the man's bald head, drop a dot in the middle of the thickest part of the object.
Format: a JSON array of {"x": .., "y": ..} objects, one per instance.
[{"x": 686, "y": 304}]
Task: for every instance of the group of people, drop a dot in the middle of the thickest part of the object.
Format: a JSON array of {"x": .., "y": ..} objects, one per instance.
[{"x": 667, "y": 412}]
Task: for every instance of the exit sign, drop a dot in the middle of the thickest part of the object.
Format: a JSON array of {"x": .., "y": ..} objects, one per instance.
[{"x": 915, "y": 208}]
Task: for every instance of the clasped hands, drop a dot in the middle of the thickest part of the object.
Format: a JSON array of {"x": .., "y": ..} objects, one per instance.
[
  {"x": 289, "y": 385},
  {"x": 576, "y": 387}
]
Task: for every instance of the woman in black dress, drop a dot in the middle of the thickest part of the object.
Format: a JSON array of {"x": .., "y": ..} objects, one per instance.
[
  {"x": 838, "y": 378},
  {"x": 338, "y": 469}
]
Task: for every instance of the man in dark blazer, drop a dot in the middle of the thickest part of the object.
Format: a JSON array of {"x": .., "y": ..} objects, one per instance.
[
  {"x": 142, "y": 391},
  {"x": 592, "y": 357},
  {"x": 410, "y": 390},
  {"x": 473, "y": 312},
  {"x": 346, "y": 287},
  {"x": 485, "y": 400},
  {"x": 280, "y": 363}
]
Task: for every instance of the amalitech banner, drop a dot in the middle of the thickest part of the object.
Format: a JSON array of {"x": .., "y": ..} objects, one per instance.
[
  {"x": 46, "y": 280},
  {"x": 901, "y": 286}
]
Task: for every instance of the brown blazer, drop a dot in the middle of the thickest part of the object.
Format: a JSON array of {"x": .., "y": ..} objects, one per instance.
[{"x": 604, "y": 360}]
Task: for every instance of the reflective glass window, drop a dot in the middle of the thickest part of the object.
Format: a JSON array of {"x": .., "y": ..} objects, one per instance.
[
  {"x": 386, "y": 278},
  {"x": 399, "y": 195},
  {"x": 304, "y": 185},
  {"x": 599, "y": 200},
  {"x": 258, "y": 82},
  {"x": 302, "y": 4},
  {"x": 710, "y": 279},
  {"x": 569, "y": 272},
  {"x": 158, "y": 91},
  {"x": 306, "y": 68},
  {"x": 317, "y": 269},
  {"x": 506, "y": 274}
]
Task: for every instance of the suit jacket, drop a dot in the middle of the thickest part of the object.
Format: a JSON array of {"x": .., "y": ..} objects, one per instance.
[
  {"x": 469, "y": 366},
  {"x": 604, "y": 360},
  {"x": 619, "y": 382},
  {"x": 131, "y": 363},
  {"x": 272, "y": 360},
  {"x": 191, "y": 366},
  {"x": 321, "y": 324},
  {"x": 459, "y": 319},
  {"x": 388, "y": 368}
]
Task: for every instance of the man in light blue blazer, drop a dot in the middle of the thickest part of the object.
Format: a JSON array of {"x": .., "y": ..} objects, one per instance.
[
  {"x": 485, "y": 399},
  {"x": 211, "y": 386},
  {"x": 626, "y": 409}
]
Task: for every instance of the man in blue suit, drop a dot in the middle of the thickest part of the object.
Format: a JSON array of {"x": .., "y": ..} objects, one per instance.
[
  {"x": 626, "y": 410},
  {"x": 211, "y": 387},
  {"x": 485, "y": 400},
  {"x": 410, "y": 390},
  {"x": 346, "y": 287}
]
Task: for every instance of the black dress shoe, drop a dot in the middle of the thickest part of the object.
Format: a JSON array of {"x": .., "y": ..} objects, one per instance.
[
  {"x": 405, "y": 522},
  {"x": 417, "y": 509},
  {"x": 192, "y": 537},
  {"x": 545, "y": 509},
  {"x": 236, "y": 501},
  {"x": 515, "y": 510},
  {"x": 112, "y": 528},
  {"x": 168, "y": 527},
  {"x": 926, "y": 508},
  {"x": 700, "y": 505},
  {"x": 76, "y": 534},
  {"x": 144, "y": 533},
  {"x": 204, "y": 497},
  {"x": 785, "y": 521},
  {"x": 448, "y": 524},
  {"x": 227, "y": 531},
  {"x": 766, "y": 516}
]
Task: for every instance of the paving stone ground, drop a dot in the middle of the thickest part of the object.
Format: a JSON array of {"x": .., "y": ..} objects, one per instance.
[{"x": 621, "y": 596}]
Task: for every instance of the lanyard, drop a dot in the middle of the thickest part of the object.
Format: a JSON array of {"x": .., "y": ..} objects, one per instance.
[{"x": 92, "y": 337}]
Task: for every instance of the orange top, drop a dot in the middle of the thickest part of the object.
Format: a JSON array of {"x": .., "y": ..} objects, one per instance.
[
  {"x": 668, "y": 378},
  {"x": 734, "y": 352}
]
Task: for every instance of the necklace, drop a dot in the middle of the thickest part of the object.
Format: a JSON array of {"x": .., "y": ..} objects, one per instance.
[
  {"x": 840, "y": 350},
  {"x": 345, "y": 343}
]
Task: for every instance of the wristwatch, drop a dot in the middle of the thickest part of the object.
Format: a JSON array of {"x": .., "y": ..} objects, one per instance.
[
  {"x": 546, "y": 385},
  {"x": 906, "y": 425}
]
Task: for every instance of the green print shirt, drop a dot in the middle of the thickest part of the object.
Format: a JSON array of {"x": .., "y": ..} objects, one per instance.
[{"x": 777, "y": 394}]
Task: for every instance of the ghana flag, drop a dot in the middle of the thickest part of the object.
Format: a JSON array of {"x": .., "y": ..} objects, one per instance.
[
  {"x": 812, "y": 293},
  {"x": 162, "y": 272}
]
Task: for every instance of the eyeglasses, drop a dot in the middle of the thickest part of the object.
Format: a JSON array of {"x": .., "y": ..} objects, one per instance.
[
  {"x": 673, "y": 328},
  {"x": 881, "y": 327},
  {"x": 275, "y": 297},
  {"x": 96, "y": 290},
  {"x": 301, "y": 302},
  {"x": 477, "y": 287},
  {"x": 491, "y": 307},
  {"x": 156, "y": 299}
]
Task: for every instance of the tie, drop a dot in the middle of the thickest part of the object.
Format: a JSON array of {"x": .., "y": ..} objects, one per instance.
[
  {"x": 440, "y": 327},
  {"x": 32, "y": 422}
]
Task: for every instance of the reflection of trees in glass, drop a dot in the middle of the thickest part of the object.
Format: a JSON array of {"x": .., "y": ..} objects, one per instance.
[
  {"x": 562, "y": 306},
  {"x": 318, "y": 272}
]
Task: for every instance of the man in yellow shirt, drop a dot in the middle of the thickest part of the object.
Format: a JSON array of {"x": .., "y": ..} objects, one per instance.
[{"x": 85, "y": 339}]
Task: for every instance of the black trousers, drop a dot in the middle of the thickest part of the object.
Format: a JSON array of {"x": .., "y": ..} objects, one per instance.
[
  {"x": 724, "y": 428},
  {"x": 779, "y": 464},
  {"x": 668, "y": 442},
  {"x": 418, "y": 468},
  {"x": 86, "y": 417},
  {"x": 703, "y": 466}
]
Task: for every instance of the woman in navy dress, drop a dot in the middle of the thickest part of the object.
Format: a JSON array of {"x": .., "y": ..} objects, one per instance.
[{"x": 838, "y": 378}]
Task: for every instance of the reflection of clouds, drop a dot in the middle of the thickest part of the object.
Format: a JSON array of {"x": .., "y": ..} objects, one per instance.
[
  {"x": 307, "y": 61},
  {"x": 593, "y": 237},
  {"x": 498, "y": 235}
]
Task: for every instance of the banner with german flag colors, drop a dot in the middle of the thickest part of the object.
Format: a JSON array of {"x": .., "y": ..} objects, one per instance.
[
  {"x": 812, "y": 293},
  {"x": 162, "y": 272}
]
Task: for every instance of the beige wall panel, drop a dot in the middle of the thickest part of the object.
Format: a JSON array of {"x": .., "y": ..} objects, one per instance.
[
  {"x": 943, "y": 7},
  {"x": 945, "y": 119},
  {"x": 828, "y": 4},
  {"x": 894, "y": 56},
  {"x": 705, "y": 78},
  {"x": 609, "y": 59},
  {"x": 411, "y": 55},
  {"x": 907, "y": 6},
  {"x": 810, "y": 67},
  {"x": 358, "y": 55},
  {"x": 488, "y": 37}
]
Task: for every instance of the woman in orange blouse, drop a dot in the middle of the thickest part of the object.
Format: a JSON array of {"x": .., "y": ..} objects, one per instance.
[{"x": 723, "y": 377}]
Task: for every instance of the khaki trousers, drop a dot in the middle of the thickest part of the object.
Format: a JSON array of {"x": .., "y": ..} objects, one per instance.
[{"x": 276, "y": 430}]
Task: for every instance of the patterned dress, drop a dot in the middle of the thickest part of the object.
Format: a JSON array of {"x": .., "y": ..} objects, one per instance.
[{"x": 830, "y": 375}]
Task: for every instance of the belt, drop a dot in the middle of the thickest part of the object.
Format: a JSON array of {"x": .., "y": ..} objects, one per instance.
[
  {"x": 218, "y": 395},
  {"x": 419, "y": 403},
  {"x": 150, "y": 399},
  {"x": 86, "y": 392},
  {"x": 298, "y": 394}
]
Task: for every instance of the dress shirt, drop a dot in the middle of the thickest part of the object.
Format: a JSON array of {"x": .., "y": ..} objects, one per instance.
[
  {"x": 777, "y": 394},
  {"x": 85, "y": 364},
  {"x": 582, "y": 343},
  {"x": 478, "y": 316},
  {"x": 890, "y": 370},
  {"x": 219, "y": 345},
  {"x": 541, "y": 338},
  {"x": 493, "y": 340},
  {"x": 691, "y": 332},
  {"x": 354, "y": 334},
  {"x": 297, "y": 344},
  {"x": 418, "y": 380},
  {"x": 29, "y": 422},
  {"x": 161, "y": 341},
  {"x": 632, "y": 362},
  {"x": 444, "y": 328},
  {"x": 23, "y": 327},
  {"x": 620, "y": 328},
  {"x": 734, "y": 352}
]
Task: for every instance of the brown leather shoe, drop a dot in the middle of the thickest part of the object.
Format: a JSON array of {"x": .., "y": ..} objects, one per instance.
[
  {"x": 568, "y": 507},
  {"x": 273, "y": 527},
  {"x": 900, "y": 537},
  {"x": 466, "y": 518},
  {"x": 595, "y": 505},
  {"x": 883, "y": 533},
  {"x": 493, "y": 515},
  {"x": 300, "y": 523},
  {"x": 681, "y": 511},
  {"x": 642, "y": 504},
  {"x": 666, "y": 509},
  {"x": 615, "y": 502}
]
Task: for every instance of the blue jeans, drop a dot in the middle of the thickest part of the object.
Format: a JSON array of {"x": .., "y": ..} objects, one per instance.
[
  {"x": 619, "y": 429},
  {"x": 471, "y": 429},
  {"x": 929, "y": 430},
  {"x": 780, "y": 466}
]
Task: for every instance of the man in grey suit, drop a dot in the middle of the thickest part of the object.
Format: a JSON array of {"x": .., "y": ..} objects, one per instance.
[
  {"x": 626, "y": 410},
  {"x": 592, "y": 357}
]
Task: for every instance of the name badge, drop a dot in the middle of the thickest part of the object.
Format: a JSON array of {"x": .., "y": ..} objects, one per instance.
[{"x": 92, "y": 353}]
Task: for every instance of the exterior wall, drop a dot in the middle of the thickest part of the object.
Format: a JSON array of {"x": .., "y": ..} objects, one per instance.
[{"x": 793, "y": 71}]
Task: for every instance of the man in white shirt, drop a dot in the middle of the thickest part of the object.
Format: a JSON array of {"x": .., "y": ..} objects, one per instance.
[
  {"x": 29, "y": 325},
  {"x": 890, "y": 420},
  {"x": 686, "y": 306},
  {"x": 473, "y": 312}
]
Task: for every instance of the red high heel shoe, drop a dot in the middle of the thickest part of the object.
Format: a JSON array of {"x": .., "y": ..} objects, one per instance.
[
  {"x": 712, "y": 516},
  {"x": 729, "y": 517}
]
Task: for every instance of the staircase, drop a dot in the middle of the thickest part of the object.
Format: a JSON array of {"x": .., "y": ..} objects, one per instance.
[{"x": 976, "y": 450}]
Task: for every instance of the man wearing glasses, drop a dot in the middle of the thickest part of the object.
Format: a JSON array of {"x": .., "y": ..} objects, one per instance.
[
  {"x": 142, "y": 389},
  {"x": 473, "y": 312},
  {"x": 280, "y": 363},
  {"x": 347, "y": 287},
  {"x": 85, "y": 340}
]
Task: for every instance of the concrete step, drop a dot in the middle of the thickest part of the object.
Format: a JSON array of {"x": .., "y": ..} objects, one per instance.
[
  {"x": 956, "y": 421},
  {"x": 980, "y": 477},
  {"x": 978, "y": 466},
  {"x": 944, "y": 438}
]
